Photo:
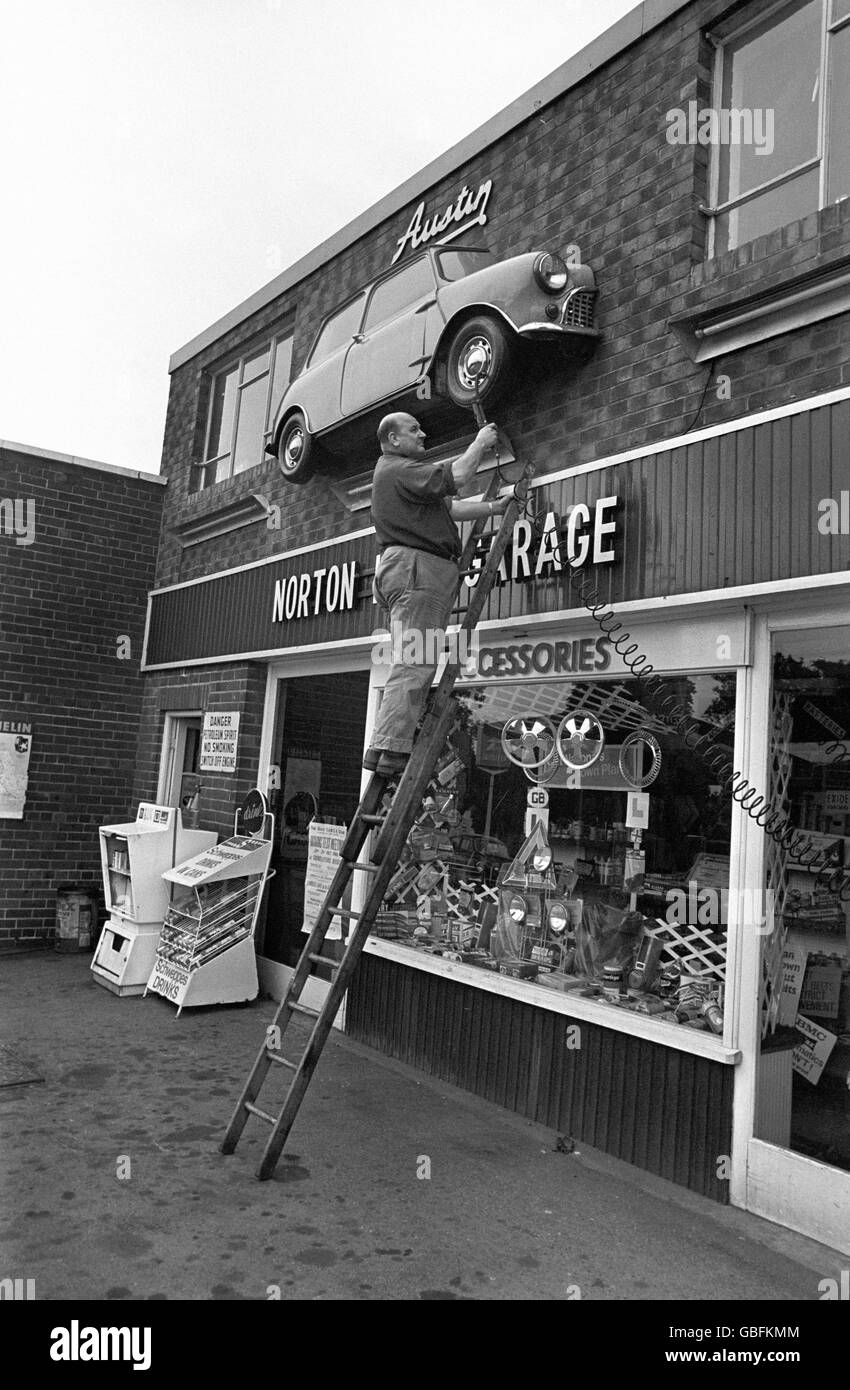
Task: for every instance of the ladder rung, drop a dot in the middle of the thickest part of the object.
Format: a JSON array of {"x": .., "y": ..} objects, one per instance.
[
  {"x": 303, "y": 1008},
  {"x": 344, "y": 911},
  {"x": 324, "y": 960},
  {"x": 281, "y": 1061},
  {"x": 368, "y": 819},
  {"x": 367, "y": 868},
  {"x": 261, "y": 1114}
]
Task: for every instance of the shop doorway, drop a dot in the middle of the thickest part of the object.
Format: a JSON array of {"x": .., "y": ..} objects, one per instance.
[
  {"x": 179, "y": 780},
  {"x": 318, "y": 747}
]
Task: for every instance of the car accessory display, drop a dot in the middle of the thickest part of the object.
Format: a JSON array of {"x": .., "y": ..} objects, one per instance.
[
  {"x": 529, "y": 742},
  {"x": 580, "y": 739},
  {"x": 645, "y": 779}
]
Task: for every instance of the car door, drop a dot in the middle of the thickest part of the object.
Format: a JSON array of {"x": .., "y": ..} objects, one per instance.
[
  {"x": 319, "y": 387},
  {"x": 390, "y": 351}
]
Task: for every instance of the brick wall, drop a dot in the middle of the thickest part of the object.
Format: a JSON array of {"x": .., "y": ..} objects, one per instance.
[
  {"x": 594, "y": 169},
  {"x": 72, "y": 615}
]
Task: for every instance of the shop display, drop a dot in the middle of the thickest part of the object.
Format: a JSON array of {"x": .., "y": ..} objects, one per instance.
[
  {"x": 580, "y": 739},
  {"x": 133, "y": 858},
  {"x": 206, "y": 949},
  {"x": 588, "y": 895},
  {"x": 631, "y": 755}
]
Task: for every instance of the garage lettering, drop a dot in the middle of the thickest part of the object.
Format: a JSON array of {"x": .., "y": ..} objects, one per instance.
[
  {"x": 586, "y": 537},
  {"x": 325, "y": 590},
  {"x": 541, "y": 658}
]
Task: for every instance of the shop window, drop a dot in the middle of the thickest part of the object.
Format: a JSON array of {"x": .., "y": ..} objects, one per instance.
[
  {"x": 782, "y": 87},
  {"x": 607, "y": 874},
  {"x": 243, "y": 401},
  {"x": 805, "y": 1005}
]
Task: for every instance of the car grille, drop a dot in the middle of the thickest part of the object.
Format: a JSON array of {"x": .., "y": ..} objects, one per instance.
[{"x": 578, "y": 310}]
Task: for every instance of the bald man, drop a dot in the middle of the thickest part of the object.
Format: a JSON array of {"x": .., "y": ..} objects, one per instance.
[{"x": 414, "y": 509}]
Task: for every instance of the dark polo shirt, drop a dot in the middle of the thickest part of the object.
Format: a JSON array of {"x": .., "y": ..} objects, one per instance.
[{"x": 410, "y": 505}]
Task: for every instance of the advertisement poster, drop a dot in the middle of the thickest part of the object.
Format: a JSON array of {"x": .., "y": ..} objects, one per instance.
[
  {"x": 219, "y": 741},
  {"x": 15, "y": 745},
  {"x": 793, "y": 969},
  {"x": 325, "y": 842},
  {"x": 811, "y": 1056}
]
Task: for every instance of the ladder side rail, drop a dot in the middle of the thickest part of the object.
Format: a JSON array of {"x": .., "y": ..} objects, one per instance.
[{"x": 411, "y": 797}]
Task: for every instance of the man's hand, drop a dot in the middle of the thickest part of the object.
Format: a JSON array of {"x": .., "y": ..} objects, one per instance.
[{"x": 487, "y": 437}]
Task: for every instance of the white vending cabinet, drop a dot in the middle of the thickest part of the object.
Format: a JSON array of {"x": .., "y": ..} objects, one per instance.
[
  {"x": 206, "y": 953},
  {"x": 133, "y": 858}
]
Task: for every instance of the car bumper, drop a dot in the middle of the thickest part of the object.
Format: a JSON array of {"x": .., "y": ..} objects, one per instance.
[{"x": 555, "y": 330}]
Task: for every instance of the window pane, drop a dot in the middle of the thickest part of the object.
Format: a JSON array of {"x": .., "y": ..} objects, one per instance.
[
  {"x": 773, "y": 69},
  {"x": 591, "y": 919},
  {"x": 282, "y": 372},
  {"x": 249, "y": 430},
  {"x": 454, "y": 265},
  {"x": 399, "y": 292},
  {"x": 773, "y": 209},
  {"x": 838, "y": 145},
  {"x": 222, "y": 408},
  {"x": 338, "y": 330},
  {"x": 810, "y": 786},
  {"x": 256, "y": 365}
]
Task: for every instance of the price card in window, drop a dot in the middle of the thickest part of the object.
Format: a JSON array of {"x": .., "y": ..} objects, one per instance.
[
  {"x": 637, "y": 810},
  {"x": 811, "y": 1056}
]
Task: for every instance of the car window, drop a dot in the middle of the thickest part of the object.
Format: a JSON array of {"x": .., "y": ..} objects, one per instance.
[
  {"x": 392, "y": 296},
  {"x": 339, "y": 329},
  {"x": 459, "y": 262}
]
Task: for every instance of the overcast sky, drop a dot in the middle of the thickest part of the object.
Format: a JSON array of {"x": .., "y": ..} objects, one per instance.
[{"x": 163, "y": 159}]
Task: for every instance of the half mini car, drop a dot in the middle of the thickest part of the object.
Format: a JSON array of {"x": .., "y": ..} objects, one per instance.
[{"x": 446, "y": 323}]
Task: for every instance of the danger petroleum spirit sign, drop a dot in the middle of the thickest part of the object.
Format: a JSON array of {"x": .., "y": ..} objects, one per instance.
[{"x": 468, "y": 210}]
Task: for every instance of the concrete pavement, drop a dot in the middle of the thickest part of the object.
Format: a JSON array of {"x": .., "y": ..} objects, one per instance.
[{"x": 396, "y": 1186}]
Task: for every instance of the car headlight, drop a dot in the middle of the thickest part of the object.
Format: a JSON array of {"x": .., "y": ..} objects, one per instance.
[
  {"x": 516, "y": 908},
  {"x": 551, "y": 273}
]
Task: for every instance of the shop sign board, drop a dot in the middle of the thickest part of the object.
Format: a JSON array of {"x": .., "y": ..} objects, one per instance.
[
  {"x": 572, "y": 541},
  {"x": 466, "y": 211},
  {"x": 325, "y": 843},
  {"x": 309, "y": 592},
  {"x": 219, "y": 741},
  {"x": 15, "y": 746},
  {"x": 811, "y": 1056}
]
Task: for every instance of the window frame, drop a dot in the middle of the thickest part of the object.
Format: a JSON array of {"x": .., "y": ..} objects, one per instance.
[
  {"x": 721, "y": 39},
  {"x": 209, "y": 464},
  {"x": 365, "y": 326}
]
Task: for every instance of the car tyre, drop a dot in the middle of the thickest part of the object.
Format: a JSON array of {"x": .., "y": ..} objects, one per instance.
[
  {"x": 482, "y": 336},
  {"x": 296, "y": 450}
]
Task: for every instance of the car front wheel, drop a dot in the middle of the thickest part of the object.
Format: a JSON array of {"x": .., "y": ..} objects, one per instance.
[
  {"x": 295, "y": 451},
  {"x": 479, "y": 361}
]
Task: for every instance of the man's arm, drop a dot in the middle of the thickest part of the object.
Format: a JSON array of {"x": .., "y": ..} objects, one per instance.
[
  {"x": 462, "y": 510},
  {"x": 465, "y": 467}
]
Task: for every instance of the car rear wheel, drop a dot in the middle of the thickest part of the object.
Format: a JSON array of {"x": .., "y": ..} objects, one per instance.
[
  {"x": 295, "y": 449},
  {"x": 479, "y": 361}
]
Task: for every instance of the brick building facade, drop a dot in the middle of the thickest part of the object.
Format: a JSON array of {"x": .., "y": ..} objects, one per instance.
[
  {"x": 73, "y": 602},
  {"x": 714, "y": 412}
]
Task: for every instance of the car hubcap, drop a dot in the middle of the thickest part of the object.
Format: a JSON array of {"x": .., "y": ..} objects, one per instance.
[
  {"x": 475, "y": 363},
  {"x": 293, "y": 448}
]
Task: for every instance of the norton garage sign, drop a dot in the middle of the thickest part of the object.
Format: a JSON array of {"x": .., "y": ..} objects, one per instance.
[{"x": 323, "y": 594}]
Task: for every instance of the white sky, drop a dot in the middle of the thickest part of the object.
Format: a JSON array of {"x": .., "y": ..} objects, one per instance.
[{"x": 163, "y": 159}]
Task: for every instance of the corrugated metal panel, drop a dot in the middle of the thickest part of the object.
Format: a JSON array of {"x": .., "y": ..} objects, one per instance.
[{"x": 660, "y": 1109}]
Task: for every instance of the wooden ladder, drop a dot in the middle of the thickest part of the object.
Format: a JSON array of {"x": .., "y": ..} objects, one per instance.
[{"x": 392, "y": 833}]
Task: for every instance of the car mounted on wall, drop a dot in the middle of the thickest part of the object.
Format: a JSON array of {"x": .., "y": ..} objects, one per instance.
[{"x": 427, "y": 329}]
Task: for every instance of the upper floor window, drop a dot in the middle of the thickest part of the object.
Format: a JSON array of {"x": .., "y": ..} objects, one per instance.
[
  {"x": 243, "y": 402},
  {"x": 782, "y": 112}
]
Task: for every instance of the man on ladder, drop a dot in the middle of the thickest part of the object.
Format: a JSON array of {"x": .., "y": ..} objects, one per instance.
[
  {"x": 414, "y": 510},
  {"x": 406, "y": 497}
]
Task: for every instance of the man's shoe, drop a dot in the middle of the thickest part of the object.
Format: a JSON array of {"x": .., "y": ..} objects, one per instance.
[
  {"x": 370, "y": 758},
  {"x": 392, "y": 764}
]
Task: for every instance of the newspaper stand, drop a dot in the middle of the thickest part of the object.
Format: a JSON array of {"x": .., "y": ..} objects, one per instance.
[
  {"x": 133, "y": 857},
  {"x": 206, "y": 946}
]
